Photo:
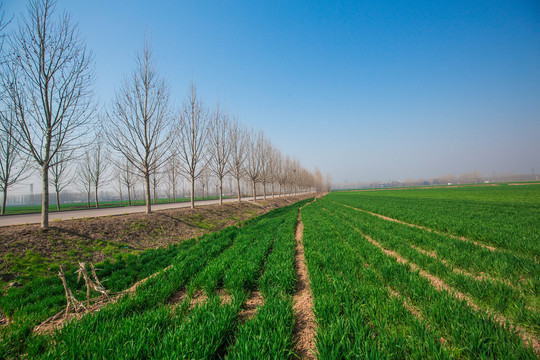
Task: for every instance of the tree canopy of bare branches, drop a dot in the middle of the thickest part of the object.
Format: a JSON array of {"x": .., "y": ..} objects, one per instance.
[
  {"x": 193, "y": 130},
  {"x": 48, "y": 77},
  {"x": 12, "y": 162},
  {"x": 140, "y": 126}
]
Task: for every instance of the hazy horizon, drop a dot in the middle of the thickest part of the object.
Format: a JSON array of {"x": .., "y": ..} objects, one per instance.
[{"x": 365, "y": 91}]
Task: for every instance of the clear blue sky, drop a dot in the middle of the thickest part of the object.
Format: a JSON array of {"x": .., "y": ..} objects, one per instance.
[{"x": 366, "y": 90}]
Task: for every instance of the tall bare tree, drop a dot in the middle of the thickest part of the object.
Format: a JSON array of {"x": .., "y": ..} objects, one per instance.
[
  {"x": 48, "y": 78},
  {"x": 140, "y": 127},
  {"x": 254, "y": 159},
  {"x": 173, "y": 173},
  {"x": 98, "y": 167},
  {"x": 193, "y": 130},
  {"x": 84, "y": 177},
  {"x": 12, "y": 162},
  {"x": 266, "y": 164},
  {"x": 238, "y": 139},
  {"x": 61, "y": 173},
  {"x": 219, "y": 147},
  {"x": 127, "y": 177}
]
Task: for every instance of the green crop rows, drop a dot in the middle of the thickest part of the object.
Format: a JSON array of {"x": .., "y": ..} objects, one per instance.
[
  {"x": 235, "y": 261},
  {"x": 370, "y": 304}
]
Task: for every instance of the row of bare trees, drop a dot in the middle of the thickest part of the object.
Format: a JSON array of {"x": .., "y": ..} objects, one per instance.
[{"x": 49, "y": 121}]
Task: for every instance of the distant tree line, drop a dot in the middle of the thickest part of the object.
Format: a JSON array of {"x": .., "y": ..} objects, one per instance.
[{"x": 51, "y": 125}]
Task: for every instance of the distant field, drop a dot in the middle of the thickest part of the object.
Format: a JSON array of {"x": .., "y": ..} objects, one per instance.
[{"x": 29, "y": 209}]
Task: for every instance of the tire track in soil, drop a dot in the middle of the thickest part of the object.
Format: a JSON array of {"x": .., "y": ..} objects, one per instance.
[
  {"x": 304, "y": 325},
  {"x": 489, "y": 247},
  {"x": 528, "y": 338}
]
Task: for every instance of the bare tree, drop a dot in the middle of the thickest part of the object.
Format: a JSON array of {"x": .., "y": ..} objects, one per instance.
[
  {"x": 84, "y": 177},
  {"x": 140, "y": 129},
  {"x": 12, "y": 162},
  {"x": 193, "y": 129},
  {"x": 47, "y": 79},
  {"x": 266, "y": 164},
  {"x": 99, "y": 163},
  {"x": 61, "y": 173},
  {"x": 254, "y": 158},
  {"x": 219, "y": 147},
  {"x": 173, "y": 173},
  {"x": 238, "y": 139},
  {"x": 127, "y": 177}
]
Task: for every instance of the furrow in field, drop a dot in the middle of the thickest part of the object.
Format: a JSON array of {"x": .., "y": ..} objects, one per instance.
[
  {"x": 489, "y": 247},
  {"x": 440, "y": 285},
  {"x": 304, "y": 328},
  {"x": 254, "y": 301},
  {"x": 482, "y": 277}
]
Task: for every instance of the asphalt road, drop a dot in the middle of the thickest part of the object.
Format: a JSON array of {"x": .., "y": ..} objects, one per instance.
[{"x": 21, "y": 219}]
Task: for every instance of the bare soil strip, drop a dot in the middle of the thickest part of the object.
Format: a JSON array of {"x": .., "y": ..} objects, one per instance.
[
  {"x": 412, "y": 309},
  {"x": 304, "y": 326},
  {"x": 254, "y": 301},
  {"x": 532, "y": 183},
  {"x": 440, "y": 285},
  {"x": 421, "y": 227}
]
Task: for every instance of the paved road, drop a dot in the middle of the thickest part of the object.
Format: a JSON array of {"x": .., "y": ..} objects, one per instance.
[{"x": 16, "y": 219}]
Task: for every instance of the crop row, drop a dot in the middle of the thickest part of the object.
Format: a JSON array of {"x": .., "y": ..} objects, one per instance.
[{"x": 368, "y": 303}]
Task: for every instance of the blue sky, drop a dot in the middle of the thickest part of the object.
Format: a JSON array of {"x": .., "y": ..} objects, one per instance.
[{"x": 365, "y": 90}]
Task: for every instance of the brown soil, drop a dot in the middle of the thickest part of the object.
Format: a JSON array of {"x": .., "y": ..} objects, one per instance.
[
  {"x": 532, "y": 183},
  {"x": 304, "y": 326},
  {"x": 95, "y": 239},
  {"x": 254, "y": 301},
  {"x": 440, "y": 285},
  {"x": 226, "y": 298},
  {"x": 421, "y": 227}
]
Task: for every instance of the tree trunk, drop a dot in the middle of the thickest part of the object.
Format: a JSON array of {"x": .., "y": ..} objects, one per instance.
[
  {"x": 88, "y": 199},
  {"x": 45, "y": 197},
  {"x": 121, "y": 200},
  {"x": 174, "y": 193},
  {"x": 264, "y": 189},
  {"x": 192, "y": 192},
  {"x": 254, "y": 192},
  {"x": 279, "y": 189},
  {"x": 4, "y": 200},
  {"x": 273, "y": 195},
  {"x": 97, "y": 200},
  {"x": 57, "y": 199},
  {"x": 238, "y": 189},
  {"x": 221, "y": 191},
  {"x": 129, "y": 195},
  {"x": 147, "y": 185}
]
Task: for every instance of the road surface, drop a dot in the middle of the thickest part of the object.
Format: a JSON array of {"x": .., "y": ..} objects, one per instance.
[{"x": 21, "y": 219}]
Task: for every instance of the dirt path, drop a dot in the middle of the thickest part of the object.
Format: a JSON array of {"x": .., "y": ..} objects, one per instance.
[
  {"x": 254, "y": 301},
  {"x": 304, "y": 325},
  {"x": 420, "y": 227}
]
